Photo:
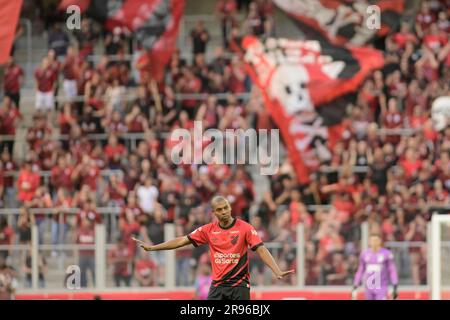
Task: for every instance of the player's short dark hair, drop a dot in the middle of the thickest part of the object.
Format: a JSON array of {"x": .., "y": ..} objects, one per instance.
[{"x": 218, "y": 198}]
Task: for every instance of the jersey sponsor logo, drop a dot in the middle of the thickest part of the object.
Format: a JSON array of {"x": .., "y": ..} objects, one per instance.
[
  {"x": 234, "y": 239},
  {"x": 234, "y": 231},
  {"x": 226, "y": 258},
  {"x": 216, "y": 232}
]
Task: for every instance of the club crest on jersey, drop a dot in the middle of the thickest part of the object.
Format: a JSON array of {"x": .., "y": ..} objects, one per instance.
[
  {"x": 380, "y": 258},
  {"x": 234, "y": 239}
]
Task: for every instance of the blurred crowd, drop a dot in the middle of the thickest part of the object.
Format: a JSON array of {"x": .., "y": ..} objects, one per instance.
[{"x": 404, "y": 178}]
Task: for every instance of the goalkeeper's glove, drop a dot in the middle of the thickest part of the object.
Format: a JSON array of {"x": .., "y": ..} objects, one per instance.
[
  {"x": 394, "y": 292},
  {"x": 354, "y": 292}
]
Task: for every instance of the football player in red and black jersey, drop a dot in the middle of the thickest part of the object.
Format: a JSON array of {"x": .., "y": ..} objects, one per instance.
[{"x": 228, "y": 240}]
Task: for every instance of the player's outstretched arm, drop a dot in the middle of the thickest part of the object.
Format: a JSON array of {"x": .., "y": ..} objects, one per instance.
[
  {"x": 168, "y": 245},
  {"x": 268, "y": 259}
]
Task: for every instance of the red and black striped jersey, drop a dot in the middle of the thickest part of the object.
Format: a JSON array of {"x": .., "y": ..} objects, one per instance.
[{"x": 228, "y": 248}]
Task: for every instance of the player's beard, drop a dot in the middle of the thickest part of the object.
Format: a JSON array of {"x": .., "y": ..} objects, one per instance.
[{"x": 225, "y": 220}]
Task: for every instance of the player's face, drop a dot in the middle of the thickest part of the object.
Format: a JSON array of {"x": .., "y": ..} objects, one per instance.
[
  {"x": 222, "y": 210},
  {"x": 375, "y": 242}
]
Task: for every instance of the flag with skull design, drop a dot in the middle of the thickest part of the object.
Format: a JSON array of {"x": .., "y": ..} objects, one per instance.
[
  {"x": 345, "y": 21},
  {"x": 303, "y": 84},
  {"x": 155, "y": 24}
]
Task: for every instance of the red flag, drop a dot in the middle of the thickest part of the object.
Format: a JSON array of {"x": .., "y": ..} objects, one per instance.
[
  {"x": 155, "y": 25},
  {"x": 299, "y": 80},
  {"x": 9, "y": 16},
  {"x": 82, "y": 4},
  {"x": 344, "y": 21},
  {"x": 161, "y": 45}
]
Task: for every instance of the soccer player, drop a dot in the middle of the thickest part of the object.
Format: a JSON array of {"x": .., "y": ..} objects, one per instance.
[
  {"x": 377, "y": 267},
  {"x": 228, "y": 240}
]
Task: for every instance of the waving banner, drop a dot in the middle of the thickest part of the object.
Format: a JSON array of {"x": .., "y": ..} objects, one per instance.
[
  {"x": 344, "y": 21},
  {"x": 306, "y": 85},
  {"x": 155, "y": 23}
]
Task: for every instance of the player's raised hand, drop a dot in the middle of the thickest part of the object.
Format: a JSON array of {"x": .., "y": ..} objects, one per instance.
[
  {"x": 142, "y": 244},
  {"x": 282, "y": 274}
]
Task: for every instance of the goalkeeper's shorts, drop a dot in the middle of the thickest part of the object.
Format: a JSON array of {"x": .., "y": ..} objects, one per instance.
[{"x": 376, "y": 294}]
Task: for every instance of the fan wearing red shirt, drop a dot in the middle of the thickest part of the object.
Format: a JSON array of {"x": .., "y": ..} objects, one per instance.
[
  {"x": 132, "y": 206},
  {"x": 12, "y": 81},
  {"x": 60, "y": 225},
  {"x": 226, "y": 9},
  {"x": 411, "y": 164},
  {"x": 129, "y": 227},
  {"x": 435, "y": 40},
  {"x": 89, "y": 212},
  {"x": 6, "y": 237},
  {"x": 114, "y": 152},
  {"x": 87, "y": 172},
  {"x": 45, "y": 84},
  {"x": 8, "y": 121},
  {"x": 116, "y": 191},
  {"x": 189, "y": 84},
  {"x": 2, "y": 185},
  {"x": 228, "y": 240},
  {"x": 404, "y": 36},
  {"x": 8, "y": 168},
  {"x": 61, "y": 175},
  {"x": 70, "y": 71},
  {"x": 424, "y": 19},
  {"x": 27, "y": 183},
  {"x": 85, "y": 235},
  {"x": 120, "y": 258},
  {"x": 145, "y": 270},
  {"x": 136, "y": 121},
  {"x": 392, "y": 119}
]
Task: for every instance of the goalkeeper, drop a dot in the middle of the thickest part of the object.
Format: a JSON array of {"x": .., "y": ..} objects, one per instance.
[{"x": 377, "y": 268}]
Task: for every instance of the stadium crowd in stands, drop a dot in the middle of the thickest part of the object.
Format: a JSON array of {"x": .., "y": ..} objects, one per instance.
[{"x": 402, "y": 176}]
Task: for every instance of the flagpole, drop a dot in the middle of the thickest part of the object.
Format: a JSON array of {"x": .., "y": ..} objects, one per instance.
[{"x": 156, "y": 96}]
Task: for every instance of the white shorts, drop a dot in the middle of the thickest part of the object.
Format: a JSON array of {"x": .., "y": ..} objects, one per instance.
[
  {"x": 70, "y": 88},
  {"x": 45, "y": 100}
]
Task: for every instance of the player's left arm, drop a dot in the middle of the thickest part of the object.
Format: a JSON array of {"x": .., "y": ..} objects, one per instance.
[
  {"x": 393, "y": 274},
  {"x": 358, "y": 276},
  {"x": 257, "y": 245},
  {"x": 268, "y": 259}
]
